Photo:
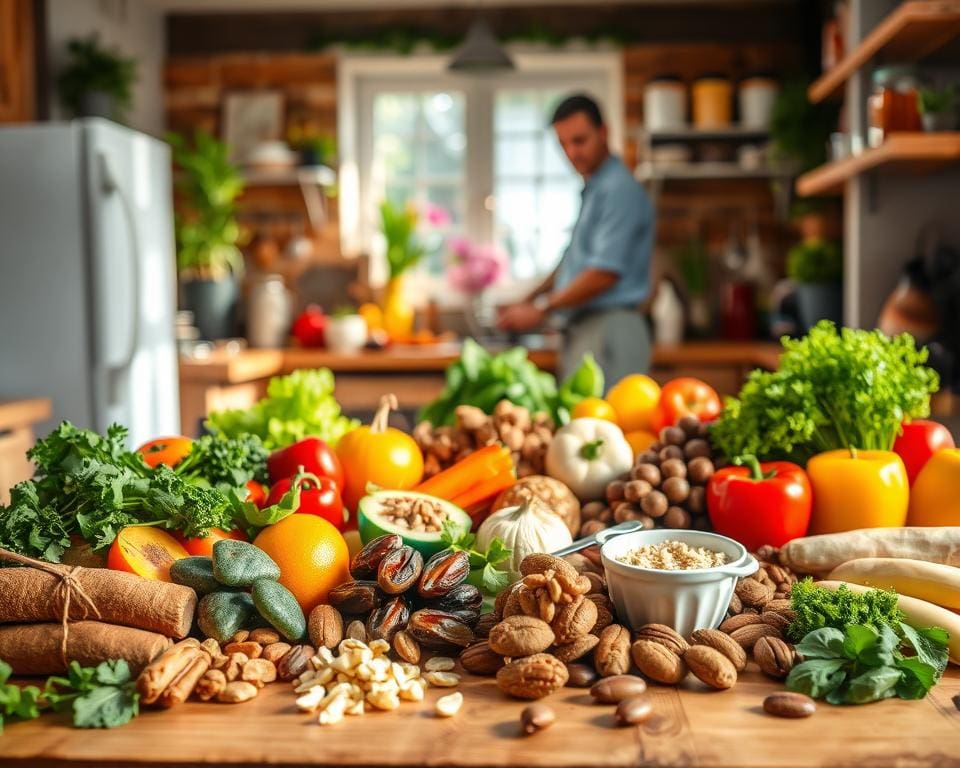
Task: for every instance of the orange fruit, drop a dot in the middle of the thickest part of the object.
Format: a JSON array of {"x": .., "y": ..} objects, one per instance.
[
  {"x": 312, "y": 556},
  {"x": 640, "y": 441},
  {"x": 594, "y": 408},
  {"x": 202, "y": 546},
  {"x": 635, "y": 399}
]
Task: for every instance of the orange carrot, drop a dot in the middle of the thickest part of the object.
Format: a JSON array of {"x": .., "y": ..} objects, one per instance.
[
  {"x": 480, "y": 465},
  {"x": 477, "y": 500}
]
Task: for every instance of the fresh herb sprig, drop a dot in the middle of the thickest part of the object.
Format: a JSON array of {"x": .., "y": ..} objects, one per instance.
[
  {"x": 225, "y": 462},
  {"x": 103, "y": 696},
  {"x": 863, "y": 663},
  {"x": 483, "y": 565}
]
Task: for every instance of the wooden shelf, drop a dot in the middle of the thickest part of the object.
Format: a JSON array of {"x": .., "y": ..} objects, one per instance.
[
  {"x": 704, "y": 172},
  {"x": 691, "y": 133},
  {"x": 320, "y": 175},
  {"x": 911, "y": 152},
  {"x": 913, "y": 31}
]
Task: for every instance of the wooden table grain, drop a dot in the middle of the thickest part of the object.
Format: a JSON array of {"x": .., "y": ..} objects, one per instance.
[{"x": 693, "y": 726}]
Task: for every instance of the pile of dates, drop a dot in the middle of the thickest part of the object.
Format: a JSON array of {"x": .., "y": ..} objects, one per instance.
[{"x": 407, "y": 601}]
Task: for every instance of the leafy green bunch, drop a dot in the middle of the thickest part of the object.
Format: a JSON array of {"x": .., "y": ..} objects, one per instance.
[
  {"x": 863, "y": 663},
  {"x": 834, "y": 389},
  {"x": 103, "y": 696},
  {"x": 298, "y": 405},
  {"x": 816, "y": 607},
  {"x": 482, "y": 379},
  {"x": 225, "y": 462},
  {"x": 483, "y": 565},
  {"x": 815, "y": 262},
  {"x": 93, "y": 68}
]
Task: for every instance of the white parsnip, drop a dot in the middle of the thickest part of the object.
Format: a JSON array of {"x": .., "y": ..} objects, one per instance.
[
  {"x": 919, "y": 614},
  {"x": 821, "y": 554},
  {"x": 933, "y": 582}
]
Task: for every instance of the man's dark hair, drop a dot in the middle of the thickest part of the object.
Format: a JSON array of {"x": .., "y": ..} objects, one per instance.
[{"x": 579, "y": 102}]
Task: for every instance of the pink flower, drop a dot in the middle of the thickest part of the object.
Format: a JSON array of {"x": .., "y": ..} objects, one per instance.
[
  {"x": 475, "y": 267},
  {"x": 436, "y": 215}
]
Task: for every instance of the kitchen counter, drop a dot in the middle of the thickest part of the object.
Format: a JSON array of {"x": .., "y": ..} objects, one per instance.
[
  {"x": 415, "y": 373},
  {"x": 691, "y": 726}
]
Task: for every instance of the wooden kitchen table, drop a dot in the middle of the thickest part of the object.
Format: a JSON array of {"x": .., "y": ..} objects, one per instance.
[{"x": 693, "y": 726}]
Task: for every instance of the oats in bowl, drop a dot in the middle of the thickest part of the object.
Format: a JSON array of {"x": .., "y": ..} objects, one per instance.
[{"x": 673, "y": 556}]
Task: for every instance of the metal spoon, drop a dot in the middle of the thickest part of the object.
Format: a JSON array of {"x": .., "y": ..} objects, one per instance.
[{"x": 600, "y": 537}]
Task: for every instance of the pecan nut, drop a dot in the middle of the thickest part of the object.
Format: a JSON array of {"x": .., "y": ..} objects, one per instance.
[
  {"x": 520, "y": 636},
  {"x": 325, "y": 626},
  {"x": 774, "y": 656},
  {"x": 723, "y": 643},
  {"x": 658, "y": 662},
  {"x": 667, "y": 637},
  {"x": 295, "y": 663},
  {"x": 612, "y": 654},
  {"x": 480, "y": 659},
  {"x": 576, "y": 649},
  {"x": 574, "y": 620},
  {"x": 711, "y": 666}
]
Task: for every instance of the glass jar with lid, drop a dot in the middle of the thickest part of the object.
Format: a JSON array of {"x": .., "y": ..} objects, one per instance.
[
  {"x": 892, "y": 104},
  {"x": 712, "y": 101}
]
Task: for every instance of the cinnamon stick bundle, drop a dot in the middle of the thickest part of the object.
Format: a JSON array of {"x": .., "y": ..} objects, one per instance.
[
  {"x": 37, "y": 649},
  {"x": 30, "y": 595}
]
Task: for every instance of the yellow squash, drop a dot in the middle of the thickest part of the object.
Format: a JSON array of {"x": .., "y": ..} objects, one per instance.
[
  {"x": 933, "y": 582},
  {"x": 935, "y": 496},
  {"x": 857, "y": 489}
]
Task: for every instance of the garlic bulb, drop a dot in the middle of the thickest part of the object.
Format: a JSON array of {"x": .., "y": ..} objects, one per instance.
[{"x": 527, "y": 529}]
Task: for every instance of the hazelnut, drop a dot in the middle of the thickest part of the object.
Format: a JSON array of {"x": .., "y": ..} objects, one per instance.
[
  {"x": 697, "y": 448},
  {"x": 636, "y": 490},
  {"x": 676, "y": 489},
  {"x": 649, "y": 456},
  {"x": 673, "y": 468},
  {"x": 697, "y": 500},
  {"x": 677, "y": 517},
  {"x": 673, "y": 436},
  {"x": 654, "y": 504},
  {"x": 649, "y": 473},
  {"x": 615, "y": 490},
  {"x": 671, "y": 452},
  {"x": 700, "y": 470},
  {"x": 690, "y": 424}
]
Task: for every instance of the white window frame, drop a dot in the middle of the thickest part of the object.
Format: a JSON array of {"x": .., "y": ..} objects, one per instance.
[{"x": 361, "y": 75}]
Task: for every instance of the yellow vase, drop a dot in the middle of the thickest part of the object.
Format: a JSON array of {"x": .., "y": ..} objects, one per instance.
[{"x": 397, "y": 311}]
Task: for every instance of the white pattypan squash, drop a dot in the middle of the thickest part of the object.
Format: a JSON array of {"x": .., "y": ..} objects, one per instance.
[{"x": 587, "y": 454}]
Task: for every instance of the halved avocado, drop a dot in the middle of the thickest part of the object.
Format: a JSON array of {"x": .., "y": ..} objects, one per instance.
[{"x": 371, "y": 522}]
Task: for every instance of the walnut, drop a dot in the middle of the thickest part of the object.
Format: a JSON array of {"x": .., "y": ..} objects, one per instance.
[{"x": 533, "y": 677}]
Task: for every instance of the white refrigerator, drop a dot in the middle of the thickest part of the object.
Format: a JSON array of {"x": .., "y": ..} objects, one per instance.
[{"x": 87, "y": 275}]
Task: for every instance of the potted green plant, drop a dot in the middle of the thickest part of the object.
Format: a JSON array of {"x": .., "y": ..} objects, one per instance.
[
  {"x": 938, "y": 108},
  {"x": 816, "y": 266},
  {"x": 97, "y": 82},
  {"x": 799, "y": 130},
  {"x": 209, "y": 259}
]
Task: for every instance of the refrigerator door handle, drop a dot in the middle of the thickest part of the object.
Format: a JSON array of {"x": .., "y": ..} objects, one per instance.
[{"x": 111, "y": 185}]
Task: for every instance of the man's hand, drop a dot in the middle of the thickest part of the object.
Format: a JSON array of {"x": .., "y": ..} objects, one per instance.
[{"x": 519, "y": 317}]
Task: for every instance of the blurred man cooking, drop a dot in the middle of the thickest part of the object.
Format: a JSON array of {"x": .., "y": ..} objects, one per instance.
[{"x": 604, "y": 275}]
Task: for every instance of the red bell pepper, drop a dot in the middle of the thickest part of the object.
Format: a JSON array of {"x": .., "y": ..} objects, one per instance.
[
  {"x": 310, "y": 327},
  {"x": 311, "y": 455},
  {"x": 319, "y": 496},
  {"x": 759, "y": 504},
  {"x": 918, "y": 441}
]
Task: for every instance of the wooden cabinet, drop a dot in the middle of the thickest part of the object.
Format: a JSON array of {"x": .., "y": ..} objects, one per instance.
[
  {"x": 17, "y": 61},
  {"x": 17, "y": 418}
]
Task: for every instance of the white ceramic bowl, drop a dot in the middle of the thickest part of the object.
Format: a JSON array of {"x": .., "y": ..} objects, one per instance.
[
  {"x": 684, "y": 600},
  {"x": 346, "y": 334}
]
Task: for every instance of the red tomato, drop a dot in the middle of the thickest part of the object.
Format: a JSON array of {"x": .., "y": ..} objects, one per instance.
[
  {"x": 166, "y": 450},
  {"x": 310, "y": 327},
  {"x": 918, "y": 441},
  {"x": 202, "y": 546},
  {"x": 319, "y": 496},
  {"x": 683, "y": 396},
  {"x": 257, "y": 493},
  {"x": 312, "y": 455}
]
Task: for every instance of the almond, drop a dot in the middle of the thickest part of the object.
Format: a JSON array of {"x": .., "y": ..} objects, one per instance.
[
  {"x": 747, "y": 636},
  {"x": 776, "y": 620},
  {"x": 740, "y": 620},
  {"x": 480, "y": 659},
  {"x": 736, "y": 606},
  {"x": 612, "y": 654},
  {"x": 754, "y": 593},
  {"x": 518, "y": 636},
  {"x": 724, "y": 643},
  {"x": 658, "y": 662},
  {"x": 574, "y": 620},
  {"x": 711, "y": 666},
  {"x": 666, "y": 636}
]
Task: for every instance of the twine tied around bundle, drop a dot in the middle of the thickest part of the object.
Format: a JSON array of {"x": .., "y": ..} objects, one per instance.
[{"x": 68, "y": 589}]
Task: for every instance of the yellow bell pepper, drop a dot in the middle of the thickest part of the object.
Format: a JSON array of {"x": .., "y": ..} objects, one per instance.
[
  {"x": 935, "y": 496},
  {"x": 857, "y": 489}
]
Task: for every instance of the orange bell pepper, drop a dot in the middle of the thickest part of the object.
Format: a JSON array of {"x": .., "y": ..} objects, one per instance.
[
  {"x": 935, "y": 496},
  {"x": 857, "y": 489}
]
